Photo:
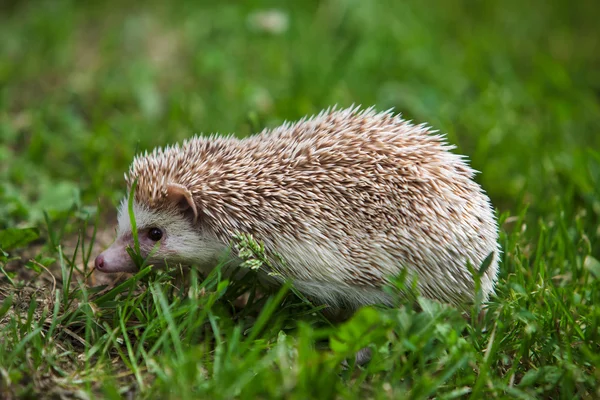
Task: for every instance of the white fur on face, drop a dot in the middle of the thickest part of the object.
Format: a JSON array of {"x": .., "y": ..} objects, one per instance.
[{"x": 181, "y": 241}]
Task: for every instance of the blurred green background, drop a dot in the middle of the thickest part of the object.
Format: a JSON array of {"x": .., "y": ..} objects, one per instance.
[{"x": 86, "y": 85}]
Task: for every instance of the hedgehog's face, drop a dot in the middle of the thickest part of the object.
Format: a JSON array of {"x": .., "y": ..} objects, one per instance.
[{"x": 166, "y": 236}]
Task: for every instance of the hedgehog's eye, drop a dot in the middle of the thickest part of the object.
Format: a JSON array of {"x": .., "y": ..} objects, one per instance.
[{"x": 155, "y": 234}]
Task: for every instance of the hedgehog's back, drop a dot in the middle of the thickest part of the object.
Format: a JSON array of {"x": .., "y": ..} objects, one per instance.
[{"x": 388, "y": 194}]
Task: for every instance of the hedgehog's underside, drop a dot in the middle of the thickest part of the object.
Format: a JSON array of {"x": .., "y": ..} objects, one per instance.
[{"x": 347, "y": 198}]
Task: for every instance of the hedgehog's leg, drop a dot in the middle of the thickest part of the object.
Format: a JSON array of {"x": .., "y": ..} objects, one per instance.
[
  {"x": 363, "y": 356},
  {"x": 336, "y": 314}
]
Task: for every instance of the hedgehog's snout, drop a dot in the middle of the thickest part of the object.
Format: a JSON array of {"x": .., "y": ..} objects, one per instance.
[
  {"x": 115, "y": 259},
  {"x": 99, "y": 262}
]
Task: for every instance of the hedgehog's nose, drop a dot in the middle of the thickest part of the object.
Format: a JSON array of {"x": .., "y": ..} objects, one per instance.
[{"x": 99, "y": 263}]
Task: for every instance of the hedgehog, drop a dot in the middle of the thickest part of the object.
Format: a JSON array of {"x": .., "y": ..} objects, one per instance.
[{"x": 346, "y": 199}]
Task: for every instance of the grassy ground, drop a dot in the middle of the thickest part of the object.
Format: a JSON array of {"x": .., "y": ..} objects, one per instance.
[{"x": 86, "y": 85}]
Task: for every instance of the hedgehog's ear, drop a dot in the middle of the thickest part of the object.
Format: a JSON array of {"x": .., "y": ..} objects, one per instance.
[{"x": 182, "y": 197}]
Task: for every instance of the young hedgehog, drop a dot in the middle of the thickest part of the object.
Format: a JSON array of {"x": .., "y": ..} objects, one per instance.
[{"x": 347, "y": 199}]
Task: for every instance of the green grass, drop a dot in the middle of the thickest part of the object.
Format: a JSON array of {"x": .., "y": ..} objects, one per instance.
[{"x": 86, "y": 85}]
